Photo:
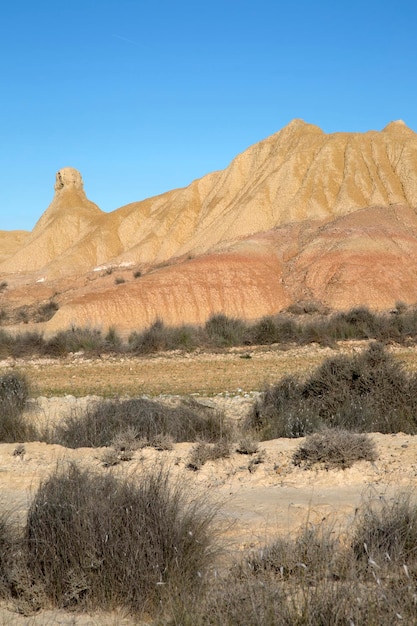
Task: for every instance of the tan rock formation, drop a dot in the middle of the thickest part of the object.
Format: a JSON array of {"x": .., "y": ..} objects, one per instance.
[
  {"x": 297, "y": 174},
  {"x": 69, "y": 216},
  {"x": 299, "y": 215},
  {"x": 368, "y": 257},
  {"x": 11, "y": 241},
  {"x": 245, "y": 286}
]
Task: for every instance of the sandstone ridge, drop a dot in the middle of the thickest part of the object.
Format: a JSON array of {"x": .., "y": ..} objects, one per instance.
[{"x": 299, "y": 215}]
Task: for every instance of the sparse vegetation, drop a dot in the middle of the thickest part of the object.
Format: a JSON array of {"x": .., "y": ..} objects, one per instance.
[
  {"x": 308, "y": 307},
  {"x": 334, "y": 449},
  {"x": 256, "y": 459},
  {"x": 23, "y": 314},
  {"x": 225, "y": 331},
  {"x": 14, "y": 393},
  {"x": 119, "y": 280},
  {"x": 366, "y": 392},
  {"x": 299, "y": 325},
  {"x": 113, "y": 341},
  {"x": 46, "y": 311},
  {"x": 386, "y": 534},
  {"x": 7, "y": 548},
  {"x": 317, "y": 577},
  {"x": 25, "y": 344},
  {"x": 76, "y": 339},
  {"x": 203, "y": 452},
  {"x": 148, "y": 419},
  {"x": 247, "y": 445},
  {"x": 94, "y": 541},
  {"x": 162, "y": 442},
  {"x": 160, "y": 337}
]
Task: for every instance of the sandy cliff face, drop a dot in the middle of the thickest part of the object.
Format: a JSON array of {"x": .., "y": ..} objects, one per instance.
[
  {"x": 69, "y": 216},
  {"x": 11, "y": 242},
  {"x": 297, "y": 174},
  {"x": 299, "y": 215}
]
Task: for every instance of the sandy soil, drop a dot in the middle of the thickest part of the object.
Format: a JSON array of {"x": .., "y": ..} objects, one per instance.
[
  {"x": 274, "y": 497},
  {"x": 256, "y": 501}
]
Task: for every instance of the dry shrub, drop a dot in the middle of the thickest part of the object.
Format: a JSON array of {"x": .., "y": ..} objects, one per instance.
[
  {"x": 92, "y": 541},
  {"x": 312, "y": 324},
  {"x": 278, "y": 329},
  {"x": 98, "y": 426},
  {"x": 224, "y": 331},
  {"x": 203, "y": 452},
  {"x": 7, "y": 550},
  {"x": 308, "y": 307},
  {"x": 280, "y": 412},
  {"x": 89, "y": 340},
  {"x": 95, "y": 541},
  {"x": 162, "y": 442},
  {"x": 235, "y": 600},
  {"x": 127, "y": 440},
  {"x": 313, "y": 578},
  {"x": 386, "y": 533},
  {"x": 113, "y": 341},
  {"x": 46, "y": 311},
  {"x": 111, "y": 457},
  {"x": 365, "y": 392},
  {"x": 334, "y": 448},
  {"x": 25, "y": 345},
  {"x": 310, "y": 556},
  {"x": 159, "y": 338},
  {"x": 247, "y": 445},
  {"x": 14, "y": 394}
]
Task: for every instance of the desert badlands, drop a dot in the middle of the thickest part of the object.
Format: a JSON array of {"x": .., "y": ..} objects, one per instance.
[
  {"x": 299, "y": 216},
  {"x": 299, "y": 229}
]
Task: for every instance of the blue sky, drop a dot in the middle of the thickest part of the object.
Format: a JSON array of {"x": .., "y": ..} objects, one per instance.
[{"x": 143, "y": 97}]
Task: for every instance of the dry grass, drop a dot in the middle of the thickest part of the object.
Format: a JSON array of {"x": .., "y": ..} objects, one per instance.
[
  {"x": 170, "y": 373},
  {"x": 149, "y": 420},
  {"x": 334, "y": 449},
  {"x": 203, "y": 452},
  {"x": 365, "y": 392},
  {"x": 14, "y": 393},
  {"x": 318, "y": 577},
  {"x": 94, "y": 541}
]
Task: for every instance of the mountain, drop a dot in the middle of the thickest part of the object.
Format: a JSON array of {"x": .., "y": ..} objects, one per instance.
[
  {"x": 300, "y": 215},
  {"x": 67, "y": 219}
]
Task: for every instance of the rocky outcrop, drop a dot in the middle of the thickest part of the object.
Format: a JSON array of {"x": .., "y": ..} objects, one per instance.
[
  {"x": 298, "y": 174},
  {"x": 67, "y": 219},
  {"x": 301, "y": 215}
]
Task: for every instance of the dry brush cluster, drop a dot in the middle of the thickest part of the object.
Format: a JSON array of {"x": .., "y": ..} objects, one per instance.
[
  {"x": 95, "y": 540},
  {"x": 300, "y": 324}
]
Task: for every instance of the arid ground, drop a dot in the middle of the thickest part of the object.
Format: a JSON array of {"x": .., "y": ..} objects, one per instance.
[{"x": 257, "y": 501}]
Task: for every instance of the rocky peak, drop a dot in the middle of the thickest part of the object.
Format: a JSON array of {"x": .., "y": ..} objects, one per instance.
[{"x": 68, "y": 178}]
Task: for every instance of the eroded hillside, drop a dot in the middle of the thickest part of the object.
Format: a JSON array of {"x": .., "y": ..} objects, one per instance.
[{"x": 300, "y": 215}]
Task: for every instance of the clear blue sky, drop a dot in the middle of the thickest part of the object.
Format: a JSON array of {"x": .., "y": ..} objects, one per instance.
[{"x": 143, "y": 97}]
